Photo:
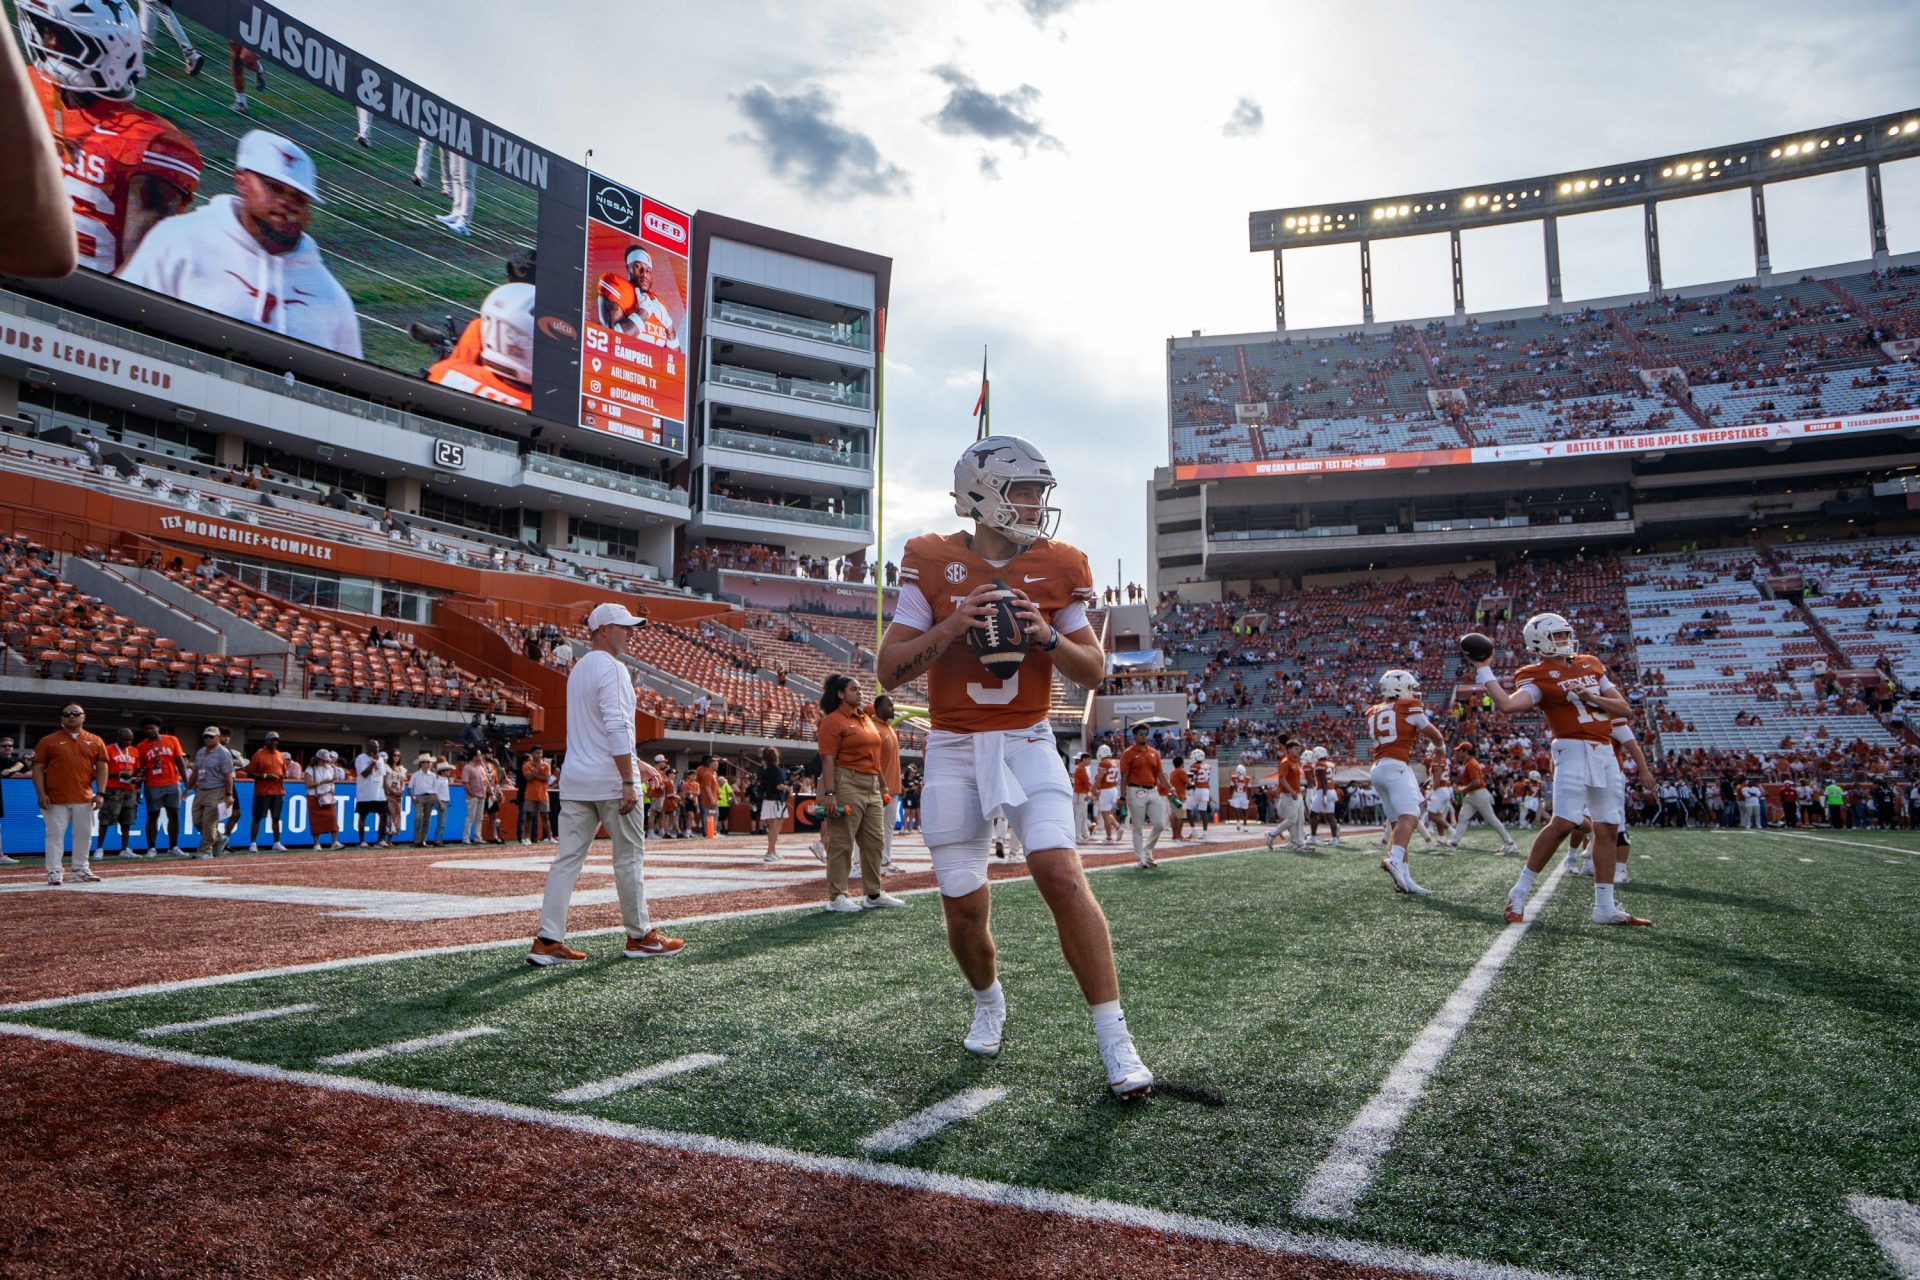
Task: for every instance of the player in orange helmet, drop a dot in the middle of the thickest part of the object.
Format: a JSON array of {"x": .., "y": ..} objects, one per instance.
[
  {"x": 990, "y": 751},
  {"x": 126, "y": 167},
  {"x": 1580, "y": 702}
]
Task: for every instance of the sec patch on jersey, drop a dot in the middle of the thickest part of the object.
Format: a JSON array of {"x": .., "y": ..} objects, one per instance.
[{"x": 1002, "y": 643}]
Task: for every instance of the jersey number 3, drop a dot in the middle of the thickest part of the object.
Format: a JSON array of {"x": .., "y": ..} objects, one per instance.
[{"x": 1007, "y": 691}]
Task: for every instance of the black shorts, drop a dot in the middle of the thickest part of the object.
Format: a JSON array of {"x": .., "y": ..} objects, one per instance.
[{"x": 361, "y": 808}]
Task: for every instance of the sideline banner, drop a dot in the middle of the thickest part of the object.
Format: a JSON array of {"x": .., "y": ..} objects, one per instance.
[{"x": 1696, "y": 438}]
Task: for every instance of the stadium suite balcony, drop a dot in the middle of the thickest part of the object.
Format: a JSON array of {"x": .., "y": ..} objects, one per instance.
[
  {"x": 770, "y": 455},
  {"x": 550, "y": 474},
  {"x": 850, "y": 333},
  {"x": 786, "y": 520},
  {"x": 834, "y": 394}
]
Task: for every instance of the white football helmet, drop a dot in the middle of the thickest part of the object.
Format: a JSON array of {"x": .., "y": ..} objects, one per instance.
[
  {"x": 1548, "y": 635},
  {"x": 1196, "y": 755},
  {"x": 1239, "y": 771},
  {"x": 982, "y": 477},
  {"x": 1399, "y": 683},
  {"x": 1533, "y": 775},
  {"x": 85, "y": 46},
  {"x": 506, "y": 332},
  {"x": 1319, "y": 753},
  {"x": 1104, "y": 753}
]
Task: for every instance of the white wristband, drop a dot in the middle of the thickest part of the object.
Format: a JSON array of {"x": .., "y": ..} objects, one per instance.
[{"x": 1484, "y": 676}]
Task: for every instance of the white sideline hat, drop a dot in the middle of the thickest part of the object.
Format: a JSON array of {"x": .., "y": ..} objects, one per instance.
[
  {"x": 272, "y": 156},
  {"x": 613, "y": 614}
]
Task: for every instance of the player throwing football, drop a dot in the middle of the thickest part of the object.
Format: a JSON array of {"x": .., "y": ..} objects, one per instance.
[
  {"x": 1580, "y": 702},
  {"x": 990, "y": 751}
]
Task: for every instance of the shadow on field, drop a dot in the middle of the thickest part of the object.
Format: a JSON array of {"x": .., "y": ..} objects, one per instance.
[
  {"x": 1715, "y": 897},
  {"x": 1844, "y": 986}
]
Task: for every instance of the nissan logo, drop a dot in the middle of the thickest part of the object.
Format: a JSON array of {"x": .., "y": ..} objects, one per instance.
[
  {"x": 671, "y": 230},
  {"x": 614, "y": 205}
]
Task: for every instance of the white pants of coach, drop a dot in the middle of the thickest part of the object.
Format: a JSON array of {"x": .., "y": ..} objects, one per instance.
[
  {"x": 1146, "y": 808},
  {"x": 580, "y": 821},
  {"x": 1293, "y": 823},
  {"x": 1477, "y": 801},
  {"x": 1750, "y": 819},
  {"x": 59, "y": 818}
]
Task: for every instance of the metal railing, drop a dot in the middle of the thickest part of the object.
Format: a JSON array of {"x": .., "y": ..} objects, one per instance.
[
  {"x": 603, "y": 478},
  {"x": 800, "y": 388},
  {"x": 774, "y": 511},
  {"x": 843, "y": 335},
  {"x": 747, "y": 442},
  {"x": 229, "y": 371}
]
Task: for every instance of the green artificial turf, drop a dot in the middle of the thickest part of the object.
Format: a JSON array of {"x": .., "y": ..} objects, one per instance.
[{"x": 1693, "y": 1100}]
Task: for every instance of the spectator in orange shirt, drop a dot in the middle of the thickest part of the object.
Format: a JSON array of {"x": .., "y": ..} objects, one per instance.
[
  {"x": 69, "y": 772},
  {"x": 850, "y": 788},
  {"x": 889, "y": 779},
  {"x": 534, "y": 799},
  {"x": 268, "y": 769},
  {"x": 120, "y": 802}
]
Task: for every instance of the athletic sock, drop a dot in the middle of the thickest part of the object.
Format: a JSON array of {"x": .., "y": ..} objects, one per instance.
[
  {"x": 1524, "y": 885},
  {"x": 1109, "y": 1023},
  {"x": 990, "y": 997},
  {"x": 1398, "y": 855},
  {"x": 1603, "y": 899},
  {"x": 1619, "y": 869}
]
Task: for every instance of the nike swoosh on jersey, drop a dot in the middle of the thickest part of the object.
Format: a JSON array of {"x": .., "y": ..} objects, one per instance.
[{"x": 1041, "y": 578}]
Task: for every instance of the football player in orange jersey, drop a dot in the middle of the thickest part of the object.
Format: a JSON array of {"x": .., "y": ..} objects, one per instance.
[
  {"x": 1626, "y": 750},
  {"x": 1580, "y": 702},
  {"x": 126, "y": 167},
  {"x": 503, "y": 371},
  {"x": 990, "y": 750},
  {"x": 1106, "y": 784},
  {"x": 1082, "y": 797},
  {"x": 1395, "y": 723}
]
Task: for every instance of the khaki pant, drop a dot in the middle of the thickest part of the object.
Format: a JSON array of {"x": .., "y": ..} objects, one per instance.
[
  {"x": 206, "y": 820},
  {"x": 860, "y": 792},
  {"x": 1293, "y": 823},
  {"x": 1479, "y": 802},
  {"x": 1147, "y": 815},
  {"x": 580, "y": 821},
  {"x": 60, "y": 818}
]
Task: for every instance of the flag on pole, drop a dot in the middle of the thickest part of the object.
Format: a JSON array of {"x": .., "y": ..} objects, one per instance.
[{"x": 980, "y": 406}]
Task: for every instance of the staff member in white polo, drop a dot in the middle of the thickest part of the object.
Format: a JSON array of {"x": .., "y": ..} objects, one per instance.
[
  {"x": 248, "y": 255},
  {"x": 601, "y": 789}
]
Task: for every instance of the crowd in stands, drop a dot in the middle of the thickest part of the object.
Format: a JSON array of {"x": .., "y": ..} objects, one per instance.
[{"x": 757, "y": 558}]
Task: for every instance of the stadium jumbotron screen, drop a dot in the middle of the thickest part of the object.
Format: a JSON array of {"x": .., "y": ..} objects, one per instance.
[{"x": 250, "y": 166}]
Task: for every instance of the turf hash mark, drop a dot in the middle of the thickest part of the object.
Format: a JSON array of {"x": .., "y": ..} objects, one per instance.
[
  {"x": 224, "y": 1020},
  {"x": 1344, "y": 1176},
  {"x": 1895, "y": 1227},
  {"x": 924, "y": 1124},
  {"x": 594, "y": 1090},
  {"x": 400, "y": 1047}
]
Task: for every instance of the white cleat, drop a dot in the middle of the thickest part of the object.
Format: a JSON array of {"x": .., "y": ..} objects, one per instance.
[
  {"x": 770, "y": 857},
  {"x": 1580, "y": 867},
  {"x": 1270, "y": 842},
  {"x": 1617, "y": 916},
  {"x": 1622, "y": 876},
  {"x": 1507, "y": 849},
  {"x": 989, "y": 1024},
  {"x": 1127, "y": 1076},
  {"x": 819, "y": 851},
  {"x": 1403, "y": 881}
]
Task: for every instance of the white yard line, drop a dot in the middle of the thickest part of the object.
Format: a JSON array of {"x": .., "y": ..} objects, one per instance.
[
  {"x": 352, "y": 962},
  {"x": 595, "y": 1090},
  {"x": 924, "y": 1124},
  {"x": 1857, "y": 844},
  {"x": 1895, "y": 1227},
  {"x": 225, "y": 1020},
  {"x": 1344, "y": 1176},
  {"x": 399, "y": 1047},
  {"x": 978, "y": 1190}
]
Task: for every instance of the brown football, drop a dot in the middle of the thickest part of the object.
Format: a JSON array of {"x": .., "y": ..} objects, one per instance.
[
  {"x": 1475, "y": 647},
  {"x": 1001, "y": 644}
]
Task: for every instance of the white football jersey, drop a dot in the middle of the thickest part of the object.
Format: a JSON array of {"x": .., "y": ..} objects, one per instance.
[{"x": 208, "y": 259}]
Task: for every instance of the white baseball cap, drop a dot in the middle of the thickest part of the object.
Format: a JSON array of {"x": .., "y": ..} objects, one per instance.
[
  {"x": 272, "y": 156},
  {"x": 613, "y": 614}
]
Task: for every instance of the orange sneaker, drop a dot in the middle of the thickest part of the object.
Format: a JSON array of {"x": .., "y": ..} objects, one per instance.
[
  {"x": 545, "y": 953},
  {"x": 653, "y": 946}
]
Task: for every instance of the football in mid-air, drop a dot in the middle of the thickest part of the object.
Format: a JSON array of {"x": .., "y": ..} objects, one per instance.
[
  {"x": 1002, "y": 642},
  {"x": 1475, "y": 647}
]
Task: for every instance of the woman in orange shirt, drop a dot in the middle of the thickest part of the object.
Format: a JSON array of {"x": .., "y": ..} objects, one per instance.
[
  {"x": 850, "y": 791},
  {"x": 534, "y": 800}
]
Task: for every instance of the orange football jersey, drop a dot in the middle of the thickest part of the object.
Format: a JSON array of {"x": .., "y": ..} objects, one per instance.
[
  {"x": 1555, "y": 679},
  {"x": 965, "y": 697},
  {"x": 1109, "y": 771},
  {"x": 103, "y": 147},
  {"x": 1391, "y": 727},
  {"x": 477, "y": 379}
]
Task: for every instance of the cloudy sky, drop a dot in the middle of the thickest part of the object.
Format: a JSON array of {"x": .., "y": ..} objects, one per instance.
[{"x": 1068, "y": 181}]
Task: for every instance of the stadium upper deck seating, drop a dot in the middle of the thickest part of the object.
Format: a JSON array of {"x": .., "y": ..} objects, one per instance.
[
  {"x": 1867, "y": 596},
  {"x": 1751, "y": 353}
]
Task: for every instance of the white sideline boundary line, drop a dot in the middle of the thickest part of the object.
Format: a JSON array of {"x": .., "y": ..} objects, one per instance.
[
  {"x": 462, "y": 948},
  {"x": 1336, "y": 1186},
  {"x": 398, "y": 1047},
  {"x": 594, "y": 1090},
  {"x": 1857, "y": 844},
  {"x": 1895, "y": 1227},
  {"x": 978, "y": 1190},
  {"x": 924, "y": 1124},
  {"x": 225, "y": 1020}
]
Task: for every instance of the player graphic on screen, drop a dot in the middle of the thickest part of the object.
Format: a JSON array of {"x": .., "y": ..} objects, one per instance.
[
  {"x": 126, "y": 167},
  {"x": 248, "y": 255},
  {"x": 503, "y": 369}
]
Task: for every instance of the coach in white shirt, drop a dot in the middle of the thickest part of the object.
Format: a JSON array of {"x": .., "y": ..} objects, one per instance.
[
  {"x": 249, "y": 256},
  {"x": 601, "y": 789}
]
